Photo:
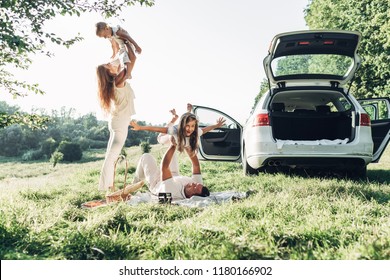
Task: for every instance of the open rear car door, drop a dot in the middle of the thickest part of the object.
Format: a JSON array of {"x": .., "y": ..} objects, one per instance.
[{"x": 379, "y": 111}]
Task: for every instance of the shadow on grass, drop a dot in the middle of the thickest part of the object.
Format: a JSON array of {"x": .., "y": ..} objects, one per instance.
[
  {"x": 307, "y": 245},
  {"x": 85, "y": 159},
  {"x": 379, "y": 176},
  {"x": 360, "y": 188}
]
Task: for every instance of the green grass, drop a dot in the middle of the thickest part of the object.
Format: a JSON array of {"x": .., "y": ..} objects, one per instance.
[{"x": 286, "y": 216}]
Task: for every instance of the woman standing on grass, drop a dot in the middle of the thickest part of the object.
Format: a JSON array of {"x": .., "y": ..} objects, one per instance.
[{"x": 117, "y": 100}]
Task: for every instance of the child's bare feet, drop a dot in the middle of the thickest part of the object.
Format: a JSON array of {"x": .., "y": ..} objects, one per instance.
[{"x": 175, "y": 116}]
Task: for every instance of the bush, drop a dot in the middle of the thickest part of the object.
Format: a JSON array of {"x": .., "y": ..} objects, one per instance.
[
  {"x": 71, "y": 151},
  {"x": 145, "y": 147},
  {"x": 49, "y": 146},
  {"x": 84, "y": 143},
  {"x": 123, "y": 152},
  {"x": 56, "y": 157},
  {"x": 32, "y": 155},
  {"x": 97, "y": 144},
  {"x": 11, "y": 139}
]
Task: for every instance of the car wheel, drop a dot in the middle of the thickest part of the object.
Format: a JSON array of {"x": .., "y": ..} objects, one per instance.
[
  {"x": 358, "y": 173},
  {"x": 248, "y": 170}
]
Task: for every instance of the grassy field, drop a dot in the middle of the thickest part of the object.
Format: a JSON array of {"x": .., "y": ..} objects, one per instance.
[{"x": 286, "y": 216}]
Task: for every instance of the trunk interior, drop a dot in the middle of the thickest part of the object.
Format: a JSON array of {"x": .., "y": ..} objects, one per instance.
[{"x": 316, "y": 123}]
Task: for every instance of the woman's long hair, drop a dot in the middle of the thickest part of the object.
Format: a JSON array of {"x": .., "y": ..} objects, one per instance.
[
  {"x": 105, "y": 87},
  {"x": 181, "y": 134}
]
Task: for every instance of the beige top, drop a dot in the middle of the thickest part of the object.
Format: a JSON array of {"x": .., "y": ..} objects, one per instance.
[{"x": 124, "y": 102}]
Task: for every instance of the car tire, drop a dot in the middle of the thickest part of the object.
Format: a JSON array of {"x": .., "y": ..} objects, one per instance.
[
  {"x": 359, "y": 173},
  {"x": 247, "y": 169}
]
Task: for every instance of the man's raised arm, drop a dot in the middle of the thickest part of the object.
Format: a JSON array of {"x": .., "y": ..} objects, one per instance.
[{"x": 165, "y": 170}]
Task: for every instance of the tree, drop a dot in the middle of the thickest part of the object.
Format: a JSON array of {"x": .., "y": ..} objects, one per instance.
[
  {"x": 71, "y": 151},
  {"x": 145, "y": 147},
  {"x": 48, "y": 146},
  {"x": 11, "y": 141},
  {"x": 10, "y": 115},
  {"x": 56, "y": 157},
  {"x": 22, "y": 34},
  {"x": 88, "y": 121},
  {"x": 371, "y": 19},
  {"x": 264, "y": 87}
]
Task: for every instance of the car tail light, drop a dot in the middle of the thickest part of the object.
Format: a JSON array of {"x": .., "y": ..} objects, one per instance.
[
  {"x": 365, "y": 120},
  {"x": 303, "y": 43},
  {"x": 261, "y": 120},
  {"x": 329, "y": 42}
]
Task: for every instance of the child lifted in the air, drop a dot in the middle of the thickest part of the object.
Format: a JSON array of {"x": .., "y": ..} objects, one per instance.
[{"x": 118, "y": 36}]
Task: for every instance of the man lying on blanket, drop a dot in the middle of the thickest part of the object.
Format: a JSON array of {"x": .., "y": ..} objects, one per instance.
[{"x": 162, "y": 181}]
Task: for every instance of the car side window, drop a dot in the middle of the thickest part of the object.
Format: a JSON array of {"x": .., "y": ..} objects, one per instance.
[
  {"x": 342, "y": 104},
  {"x": 377, "y": 109},
  {"x": 208, "y": 117}
]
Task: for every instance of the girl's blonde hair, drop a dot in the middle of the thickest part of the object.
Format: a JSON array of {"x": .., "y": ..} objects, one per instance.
[
  {"x": 106, "y": 84},
  {"x": 181, "y": 135}
]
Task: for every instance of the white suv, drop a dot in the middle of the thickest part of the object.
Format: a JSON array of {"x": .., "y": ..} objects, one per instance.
[{"x": 308, "y": 118}]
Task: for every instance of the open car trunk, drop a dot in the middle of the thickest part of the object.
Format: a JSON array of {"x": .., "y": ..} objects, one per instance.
[
  {"x": 327, "y": 117},
  {"x": 311, "y": 126}
]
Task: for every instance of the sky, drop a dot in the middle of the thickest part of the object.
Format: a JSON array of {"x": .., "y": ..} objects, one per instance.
[{"x": 204, "y": 52}]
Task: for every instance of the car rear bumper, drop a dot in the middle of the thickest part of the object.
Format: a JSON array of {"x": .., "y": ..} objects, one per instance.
[
  {"x": 303, "y": 161},
  {"x": 296, "y": 155}
]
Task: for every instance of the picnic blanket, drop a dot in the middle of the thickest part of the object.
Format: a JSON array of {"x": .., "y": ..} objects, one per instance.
[
  {"x": 146, "y": 197},
  {"x": 195, "y": 201}
]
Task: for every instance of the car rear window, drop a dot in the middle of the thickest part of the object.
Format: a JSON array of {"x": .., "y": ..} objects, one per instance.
[{"x": 311, "y": 64}]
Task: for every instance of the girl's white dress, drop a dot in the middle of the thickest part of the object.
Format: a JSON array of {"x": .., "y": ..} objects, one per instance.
[{"x": 121, "y": 57}]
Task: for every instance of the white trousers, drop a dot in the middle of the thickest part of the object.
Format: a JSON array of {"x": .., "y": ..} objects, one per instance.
[
  {"x": 148, "y": 170},
  {"x": 119, "y": 128}
]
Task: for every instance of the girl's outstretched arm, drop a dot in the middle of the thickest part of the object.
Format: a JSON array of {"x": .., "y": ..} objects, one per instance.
[
  {"x": 136, "y": 126},
  {"x": 220, "y": 122}
]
